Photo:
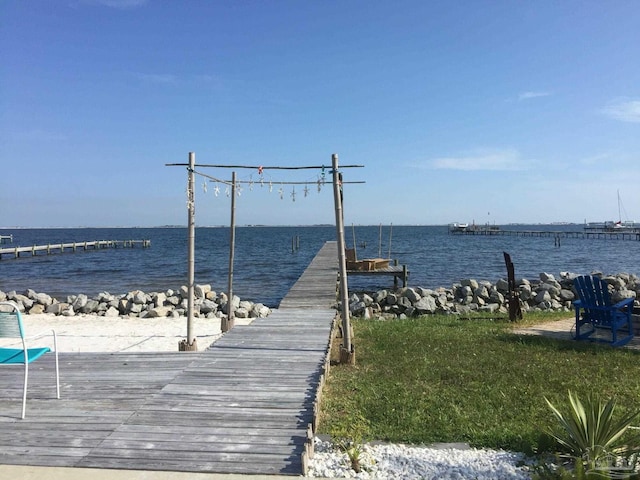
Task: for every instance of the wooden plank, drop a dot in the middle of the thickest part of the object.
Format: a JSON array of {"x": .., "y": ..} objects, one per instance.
[{"x": 241, "y": 406}]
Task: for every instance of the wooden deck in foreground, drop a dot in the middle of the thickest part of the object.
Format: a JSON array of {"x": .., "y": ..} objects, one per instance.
[{"x": 243, "y": 406}]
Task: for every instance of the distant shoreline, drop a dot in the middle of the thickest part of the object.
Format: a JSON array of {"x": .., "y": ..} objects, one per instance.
[{"x": 322, "y": 225}]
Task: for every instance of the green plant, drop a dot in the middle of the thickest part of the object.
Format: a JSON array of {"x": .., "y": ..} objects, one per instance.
[
  {"x": 354, "y": 451},
  {"x": 593, "y": 438}
]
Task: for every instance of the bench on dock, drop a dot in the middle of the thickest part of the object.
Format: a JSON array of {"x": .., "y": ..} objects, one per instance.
[
  {"x": 599, "y": 313},
  {"x": 375, "y": 266},
  {"x": 365, "y": 265}
]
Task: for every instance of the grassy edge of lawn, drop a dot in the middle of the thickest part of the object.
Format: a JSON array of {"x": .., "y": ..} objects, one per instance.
[{"x": 448, "y": 379}]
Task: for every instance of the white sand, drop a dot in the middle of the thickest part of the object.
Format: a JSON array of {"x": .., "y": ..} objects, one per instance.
[{"x": 92, "y": 333}]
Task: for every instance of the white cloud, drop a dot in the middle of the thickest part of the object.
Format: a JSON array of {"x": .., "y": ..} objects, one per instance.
[
  {"x": 498, "y": 160},
  {"x": 530, "y": 95},
  {"x": 625, "y": 110}
]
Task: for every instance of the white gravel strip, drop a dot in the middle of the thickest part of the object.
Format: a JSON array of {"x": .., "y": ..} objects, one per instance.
[{"x": 409, "y": 462}]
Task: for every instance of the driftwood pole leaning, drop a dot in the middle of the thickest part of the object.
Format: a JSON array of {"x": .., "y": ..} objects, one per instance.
[
  {"x": 347, "y": 353},
  {"x": 229, "y": 322},
  {"x": 190, "y": 343}
]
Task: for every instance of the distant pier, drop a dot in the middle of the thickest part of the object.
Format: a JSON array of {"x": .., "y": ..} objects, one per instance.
[
  {"x": 609, "y": 234},
  {"x": 6, "y": 239},
  {"x": 48, "y": 249}
]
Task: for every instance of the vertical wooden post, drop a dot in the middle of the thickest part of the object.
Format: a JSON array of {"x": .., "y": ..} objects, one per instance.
[
  {"x": 190, "y": 343},
  {"x": 513, "y": 298},
  {"x": 395, "y": 278},
  {"x": 229, "y": 323},
  {"x": 353, "y": 234},
  {"x": 347, "y": 354}
]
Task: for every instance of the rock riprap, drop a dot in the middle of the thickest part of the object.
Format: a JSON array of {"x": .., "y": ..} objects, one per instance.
[
  {"x": 170, "y": 303},
  {"x": 545, "y": 293}
]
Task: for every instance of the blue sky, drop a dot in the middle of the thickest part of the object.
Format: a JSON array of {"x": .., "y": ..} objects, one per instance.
[{"x": 461, "y": 111}]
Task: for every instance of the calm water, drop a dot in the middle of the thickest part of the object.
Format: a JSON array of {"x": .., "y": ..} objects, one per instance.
[{"x": 265, "y": 266}]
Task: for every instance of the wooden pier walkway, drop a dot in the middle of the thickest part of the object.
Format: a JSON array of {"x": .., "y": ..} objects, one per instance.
[
  {"x": 243, "y": 406},
  {"x": 34, "y": 250},
  {"x": 622, "y": 234}
]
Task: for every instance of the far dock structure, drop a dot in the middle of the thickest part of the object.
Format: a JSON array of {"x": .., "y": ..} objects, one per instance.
[
  {"x": 50, "y": 248},
  {"x": 6, "y": 239},
  {"x": 375, "y": 267},
  {"x": 587, "y": 233}
]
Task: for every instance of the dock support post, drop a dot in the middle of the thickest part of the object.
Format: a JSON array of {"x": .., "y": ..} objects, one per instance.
[
  {"x": 190, "y": 343},
  {"x": 347, "y": 354},
  {"x": 228, "y": 323},
  {"x": 395, "y": 278}
]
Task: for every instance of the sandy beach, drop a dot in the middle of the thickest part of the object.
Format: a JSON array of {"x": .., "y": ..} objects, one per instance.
[{"x": 93, "y": 333}]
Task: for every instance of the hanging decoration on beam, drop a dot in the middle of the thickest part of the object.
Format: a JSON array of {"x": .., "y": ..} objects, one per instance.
[{"x": 319, "y": 181}]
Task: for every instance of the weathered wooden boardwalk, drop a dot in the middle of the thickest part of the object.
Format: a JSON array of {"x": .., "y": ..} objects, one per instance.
[
  {"x": 50, "y": 248},
  {"x": 242, "y": 406}
]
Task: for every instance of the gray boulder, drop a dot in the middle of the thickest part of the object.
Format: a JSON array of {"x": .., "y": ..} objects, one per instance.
[
  {"x": 546, "y": 277},
  {"x": 411, "y": 295},
  {"x": 37, "y": 309},
  {"x": 426, "y": 305},
  {"x": 43, "y": 299},
  {"x": 469, "y": 282},
  {"x": 567, "y": 295},
  {"x": 112, "y": 312}
]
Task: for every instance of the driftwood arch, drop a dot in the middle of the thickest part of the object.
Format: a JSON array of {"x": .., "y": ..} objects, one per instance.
[{"x": 337, "y": 181}]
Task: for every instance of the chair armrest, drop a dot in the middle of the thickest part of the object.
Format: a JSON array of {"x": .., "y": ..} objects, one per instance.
[
  {"x": 42, "y": 335},
  {"x": 577, "y": 303},
  {"x": 624, "y": 303}
]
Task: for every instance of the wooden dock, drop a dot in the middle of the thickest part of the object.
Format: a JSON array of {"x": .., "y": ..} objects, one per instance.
[
  {"x": 48, "y": 249},
  {"x": 6, "y": 239},
  {"x": 622, "y": 234},
  {"x": 398, "y": 272},
  {"x": 243, "y": 406}
]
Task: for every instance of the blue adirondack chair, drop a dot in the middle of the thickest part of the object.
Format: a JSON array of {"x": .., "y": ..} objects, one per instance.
[
  {"x": 598, "y": 312},
  {"x": 11, "y": 327}
]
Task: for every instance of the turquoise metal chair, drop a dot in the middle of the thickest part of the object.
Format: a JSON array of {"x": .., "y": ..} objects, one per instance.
[{"x": 11, "y": 327}]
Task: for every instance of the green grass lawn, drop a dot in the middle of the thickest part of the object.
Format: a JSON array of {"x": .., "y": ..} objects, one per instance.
[{"x": 446, "y": 379}]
